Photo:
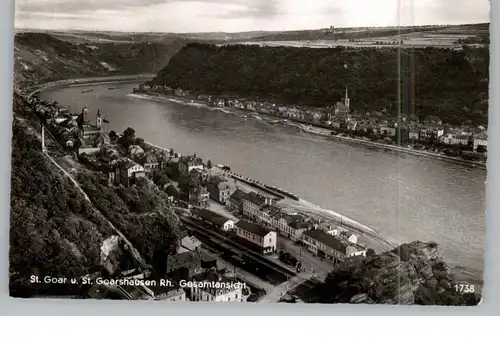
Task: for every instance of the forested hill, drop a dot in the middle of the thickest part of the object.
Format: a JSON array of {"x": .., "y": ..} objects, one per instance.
[
  {"x": 41, "y": 57},
  {"x": 448, "y": 83}
]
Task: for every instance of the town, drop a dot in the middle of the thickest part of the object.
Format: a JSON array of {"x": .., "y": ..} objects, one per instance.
[
  {"x": 430, "y": 134},
  {"x": 237, "y": 228}
]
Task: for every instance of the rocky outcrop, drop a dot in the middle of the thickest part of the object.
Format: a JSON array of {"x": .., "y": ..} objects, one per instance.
[{"x": 413, "y": 273}]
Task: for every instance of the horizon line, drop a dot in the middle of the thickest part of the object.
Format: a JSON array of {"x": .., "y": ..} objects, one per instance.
[{"x": 250, "y": 31}]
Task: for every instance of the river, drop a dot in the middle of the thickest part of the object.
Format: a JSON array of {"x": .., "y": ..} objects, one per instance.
[{"x": 402, "y": 196}]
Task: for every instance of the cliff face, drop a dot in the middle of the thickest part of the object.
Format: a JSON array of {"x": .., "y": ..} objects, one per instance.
[
  {"x": 450, "y": 84},
  {"x": 411, "y": 274},
  {"x": 41, "y": 57}
]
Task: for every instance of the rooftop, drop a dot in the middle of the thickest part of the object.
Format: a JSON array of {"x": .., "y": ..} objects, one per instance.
[
  {"x": 183, "y": 260},
  {"x": 327, "y": 240},
  {"x": 297, "y": 225},
  {"x": 255, "y": 198},
  {"x": 238, "y": 195},
  {"x": 253, "y": 228},
  {"x": 211, "y": 216},
  {"x": 270, "y": 209},
  {"x": 190, "y": 243}
]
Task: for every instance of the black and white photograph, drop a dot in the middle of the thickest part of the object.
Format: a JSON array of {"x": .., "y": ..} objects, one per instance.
[{"x": 262, "y": 151}]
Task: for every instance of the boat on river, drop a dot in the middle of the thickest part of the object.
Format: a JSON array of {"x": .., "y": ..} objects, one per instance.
[{"x": 87, "y": 91}]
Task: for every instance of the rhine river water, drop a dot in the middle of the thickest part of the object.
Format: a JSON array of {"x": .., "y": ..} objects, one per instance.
[{"x": 404, "y": 197}]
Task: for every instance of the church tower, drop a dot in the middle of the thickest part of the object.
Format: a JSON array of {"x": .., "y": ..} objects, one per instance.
[
  {"x": 98, "y": 119},
  {"x": 347, "y": 100}
]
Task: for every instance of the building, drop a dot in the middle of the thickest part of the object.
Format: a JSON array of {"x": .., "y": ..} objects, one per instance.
[
  {"x": 209, "y": 286},
  {"x": 189, "y": 243},
  {"x": 189, "y": 262},
  {"x": 349, "y": 237},
  {"x": 173, "y": 294},
  {"x": 344, "y": 107},
  {"x": 481, "y": 140},
  {"x": 387, "y": 130},
  {"x": 431, "y": 133},
  {"x": 235, "y": 201},
  {"x": 414, "y": 134},
  {"x": 214, "y": 219},
  {"x": 264, "y": 238},
  {"x": 199, "y": 197},
  {"x": 188, "y": 163},
  {"x": 218, "y": 189},
  {"x": 252, "y": 203},
  {"x": 127, "y": 172},
  {"x": 265, "y": 215},
  {"x": 329, "y": 247},
  {"x": 151, "y": 164},
  {"x": 295, "y": 228}
]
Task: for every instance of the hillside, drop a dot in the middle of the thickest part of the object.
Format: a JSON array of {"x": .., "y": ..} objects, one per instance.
[
  {"x": 56, "y": 232},
  {"x": 450, "y": 84},
  {"x": 41, "y": 57},
  {"x": 53, "y": 230},
  {"x": 414, "y": 273}
]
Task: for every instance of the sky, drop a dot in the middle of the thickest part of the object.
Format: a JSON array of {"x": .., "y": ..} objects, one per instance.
[{"x": 188, "y": 16}]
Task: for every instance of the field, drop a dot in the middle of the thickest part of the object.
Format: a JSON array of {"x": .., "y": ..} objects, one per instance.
[{"x": 444, "y": 37}]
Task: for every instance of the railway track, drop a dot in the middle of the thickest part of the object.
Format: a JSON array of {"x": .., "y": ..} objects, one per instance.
[{"x": 207, "y": 232}]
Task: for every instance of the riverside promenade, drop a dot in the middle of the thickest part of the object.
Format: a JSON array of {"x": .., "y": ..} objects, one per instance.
[
  {"x": 301, "y": 126},
  {"x": 292, "y": 203}
]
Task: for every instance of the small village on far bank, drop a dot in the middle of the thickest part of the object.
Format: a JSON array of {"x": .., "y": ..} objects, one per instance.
[
  {"x": 227, "y": 215},
  {"x": 467, "y": 142}
]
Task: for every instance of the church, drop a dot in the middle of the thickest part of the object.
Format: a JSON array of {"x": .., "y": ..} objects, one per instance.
[{"x": 92, "y": 137}]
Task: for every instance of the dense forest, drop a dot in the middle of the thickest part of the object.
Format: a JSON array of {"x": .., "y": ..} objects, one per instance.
[
  {"x": 54, "y": 231},
  {"x": 452, "y": 84},
  {"x": 140, "y": 212},
  {"x": 42, "y": 57}
]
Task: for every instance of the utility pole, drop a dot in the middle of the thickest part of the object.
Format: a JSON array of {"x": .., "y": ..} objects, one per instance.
[{"x": 44, "y": 150}]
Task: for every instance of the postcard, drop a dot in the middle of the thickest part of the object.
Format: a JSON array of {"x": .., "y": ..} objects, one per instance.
[{"x": 266, "y": 151}]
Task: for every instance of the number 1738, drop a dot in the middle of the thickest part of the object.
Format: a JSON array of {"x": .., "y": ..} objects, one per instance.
[{"x": 464, "y": 288}]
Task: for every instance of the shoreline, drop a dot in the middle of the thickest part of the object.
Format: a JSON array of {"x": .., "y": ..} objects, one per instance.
[
  {"x": 311, "y": 208},
  {"x": 301, "y": 125}
]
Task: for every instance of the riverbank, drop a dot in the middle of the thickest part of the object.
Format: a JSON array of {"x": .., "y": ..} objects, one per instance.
[
  {"x": 367, "y": 216},
  {"x": 326, "y": 132},
  {"x": 88, "y": 81}
]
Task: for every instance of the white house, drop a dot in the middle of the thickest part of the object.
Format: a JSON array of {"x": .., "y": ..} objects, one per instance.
[
  {"x": 214, "y": 219},
  {"x": 127, "y": 171},
  {"x": 189, "y": 243},
  {"x": 349, "y": 237},
  {"x": 264, "y": 238},
  {"x": 210, "y": 287},
  {"x": 291, "y": 226},
  {"x": 481, "y": 139},
  {"x": 252, "y": 203}
]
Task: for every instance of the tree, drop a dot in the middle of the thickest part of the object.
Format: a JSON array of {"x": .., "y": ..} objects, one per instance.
[
  {"x": 113, "y": 137},
  {"x": 171, "y": 152},
  {"x": 370, "y": 252},
  {"x": 128, "y": 138},
  {"x": 209, "y": 164}
]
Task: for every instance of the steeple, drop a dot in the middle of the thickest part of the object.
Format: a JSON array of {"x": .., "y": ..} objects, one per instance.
[
  {"x": 98, "y": 119},
  {"x": 347, "y": 101}
]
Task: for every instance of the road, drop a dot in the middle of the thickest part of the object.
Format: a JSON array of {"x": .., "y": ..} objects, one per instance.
[{"x": 280, "y": 290}]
